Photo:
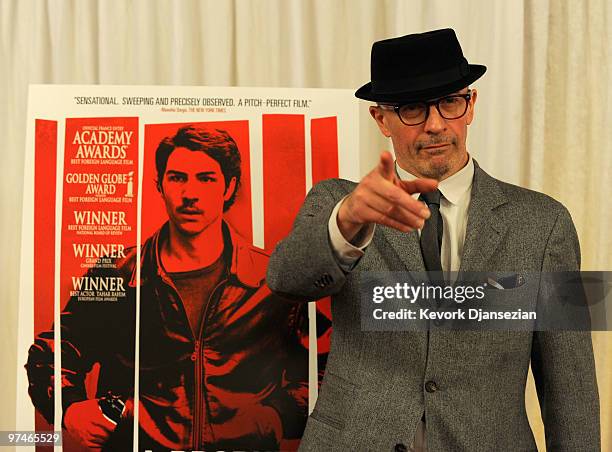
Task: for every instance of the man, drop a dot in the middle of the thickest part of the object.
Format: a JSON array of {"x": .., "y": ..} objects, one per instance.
[
  {"x": 434, "y": 390},
  {"x": 220, "y": 362}
]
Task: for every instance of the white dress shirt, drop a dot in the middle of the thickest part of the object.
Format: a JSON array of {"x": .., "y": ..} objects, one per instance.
[{"x": 456, "y": 193}]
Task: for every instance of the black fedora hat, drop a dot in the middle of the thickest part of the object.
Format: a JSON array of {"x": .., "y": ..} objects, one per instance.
[{"x": 418, "y": 67}]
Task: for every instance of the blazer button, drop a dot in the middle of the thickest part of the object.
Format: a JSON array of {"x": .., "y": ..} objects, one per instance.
[
  {"x": 431, "y": 386},
  {"x": 400, "y": 448}
]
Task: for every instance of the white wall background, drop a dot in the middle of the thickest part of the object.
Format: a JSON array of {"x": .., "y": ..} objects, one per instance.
[{"x": 542, "y": 118}]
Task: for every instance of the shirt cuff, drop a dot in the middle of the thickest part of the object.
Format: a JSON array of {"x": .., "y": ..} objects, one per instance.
[{"x": 348, "y": 253}]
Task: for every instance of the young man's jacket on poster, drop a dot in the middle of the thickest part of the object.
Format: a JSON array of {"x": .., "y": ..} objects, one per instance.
[{"x": 248, "y": 354}]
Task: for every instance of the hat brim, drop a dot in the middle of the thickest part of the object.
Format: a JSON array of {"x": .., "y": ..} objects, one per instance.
[{"x": 475, "y": 72}]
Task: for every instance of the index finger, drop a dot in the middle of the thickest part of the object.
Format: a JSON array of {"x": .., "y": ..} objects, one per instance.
[
  {"x": 419, "y": 185},
  {"x": 386, "y": 166}
]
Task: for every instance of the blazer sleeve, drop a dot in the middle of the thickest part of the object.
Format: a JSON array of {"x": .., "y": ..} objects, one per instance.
[
  {"x": 562, "y": 362},
  {"x": 303, "y": 266}
]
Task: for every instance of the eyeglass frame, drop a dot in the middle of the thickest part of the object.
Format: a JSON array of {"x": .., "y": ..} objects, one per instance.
[{"x": 428, "y": 103}]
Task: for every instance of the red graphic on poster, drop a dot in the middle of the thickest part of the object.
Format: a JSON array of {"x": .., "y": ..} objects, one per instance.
[
  {"x": 223, "y": 361},
  {"x": 284, "y": 166},
  {"x": 44, "y": 243},
  {"x": 99, "y": 215},
  {"x": 284, "y": 171},
  {"x": 99, "y": 218}
]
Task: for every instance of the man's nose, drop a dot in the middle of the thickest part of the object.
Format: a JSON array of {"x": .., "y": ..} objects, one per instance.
[
  {"x": 188, "y": 189},
  {"x": 188, "y": 201},
  {"x": 434, "y": 123}
]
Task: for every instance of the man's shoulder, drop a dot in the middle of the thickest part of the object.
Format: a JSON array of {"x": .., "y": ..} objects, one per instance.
[
  {"x": 533, "y": 200},
  {"x": 250, "y": 252},
  {"x": 525, "y": 199},
  {"x": 249, "y": 262}
]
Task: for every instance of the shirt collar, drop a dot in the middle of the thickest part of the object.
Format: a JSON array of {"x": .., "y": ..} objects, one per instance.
[{"x": 452, "y": 188}]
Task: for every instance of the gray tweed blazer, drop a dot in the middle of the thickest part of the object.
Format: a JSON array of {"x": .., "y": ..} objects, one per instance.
[{"x": 378, "y": 385}]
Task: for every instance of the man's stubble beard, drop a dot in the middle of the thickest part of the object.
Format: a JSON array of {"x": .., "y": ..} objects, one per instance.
[
  {"x": 436, "y": 172},
  {"x": 440, "y": 171}
]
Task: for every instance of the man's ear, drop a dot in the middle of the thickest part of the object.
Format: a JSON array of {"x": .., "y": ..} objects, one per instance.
[
  {"x": 230, "y": 189},
  {"x": 470, "y": 113},
  {"x": 158, "y": 185},
  {"x": 379, "y": 116}
]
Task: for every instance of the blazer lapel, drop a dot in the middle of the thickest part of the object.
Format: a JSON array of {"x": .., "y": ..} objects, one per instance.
[{"x": 484, "y": 229}]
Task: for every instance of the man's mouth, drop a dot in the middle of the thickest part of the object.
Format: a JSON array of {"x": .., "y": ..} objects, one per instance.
[{"x": 435, "y": 146}]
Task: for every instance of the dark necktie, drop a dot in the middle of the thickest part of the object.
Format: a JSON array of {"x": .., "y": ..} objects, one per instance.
[
  {"x": 431, "y": 234},
  {"x": 431, "y": 239}
]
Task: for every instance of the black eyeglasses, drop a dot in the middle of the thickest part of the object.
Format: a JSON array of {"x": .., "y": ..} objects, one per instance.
[{"x": 415, "y": 113}]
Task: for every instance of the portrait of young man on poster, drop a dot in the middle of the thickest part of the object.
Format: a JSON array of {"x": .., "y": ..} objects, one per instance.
[{"x": 221, "y": 365}]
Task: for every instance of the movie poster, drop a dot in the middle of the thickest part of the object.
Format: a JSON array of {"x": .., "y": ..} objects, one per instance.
[{"x": 149, "y": 217}]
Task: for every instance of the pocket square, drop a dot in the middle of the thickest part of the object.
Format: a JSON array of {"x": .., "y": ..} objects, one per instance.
[{"x": 506, "y": 282}]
